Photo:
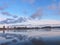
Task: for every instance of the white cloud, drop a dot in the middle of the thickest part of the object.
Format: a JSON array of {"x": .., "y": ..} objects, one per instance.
[
  {"x": 42, "y": 22},
  {"x": 38, "y": 22},
  {"x": 27, "y": 21},
  {"x": 1, "y": 18}
]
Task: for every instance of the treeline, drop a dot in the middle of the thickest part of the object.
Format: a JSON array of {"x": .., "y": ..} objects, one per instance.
[{"x": 46, "y": 27}]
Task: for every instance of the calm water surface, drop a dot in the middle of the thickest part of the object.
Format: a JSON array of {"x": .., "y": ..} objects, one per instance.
[{"x": 33, "y": 36}]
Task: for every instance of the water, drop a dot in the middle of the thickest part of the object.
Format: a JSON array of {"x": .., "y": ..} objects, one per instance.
[{"x": 31, "y": 37}]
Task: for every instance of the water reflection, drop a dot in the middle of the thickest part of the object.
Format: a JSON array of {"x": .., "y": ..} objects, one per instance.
[
  {"x": 27, "y": 30},
  {"x": 32, "y": 37}
]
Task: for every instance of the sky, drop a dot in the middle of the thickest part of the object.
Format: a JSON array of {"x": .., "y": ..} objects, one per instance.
[{"x": 42, "y": 9}]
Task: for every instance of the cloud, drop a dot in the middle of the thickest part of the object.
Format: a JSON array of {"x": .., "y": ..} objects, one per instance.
[
  {"x": 7, "y": 21},
  {"x": 4, "y": 6},
  {"x": 13, "y": 20},
  {"x": 43, "y": 22},
  {"x": 8, "y": 14},
  {"x": 1, "y": 19},
  {"x": 29, "y": 1},
  {"x": 38, "y": 13},
  {"x": 55, "y": 7},
  {"x": 52, "y": 6},
  {"x": 59, "y": 6},
  {"x": 57, "y": 13},
  {"x": 14, "y": 16},
  {"x": 1, "y": 8},
  {"x": 23, "y": 21}
]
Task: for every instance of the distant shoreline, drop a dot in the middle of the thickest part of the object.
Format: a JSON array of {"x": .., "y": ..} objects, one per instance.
[{"x": 19, "y": 28}]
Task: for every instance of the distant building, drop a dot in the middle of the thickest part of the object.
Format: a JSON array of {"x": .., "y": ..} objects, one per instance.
[{"x": 3, "y": 27}]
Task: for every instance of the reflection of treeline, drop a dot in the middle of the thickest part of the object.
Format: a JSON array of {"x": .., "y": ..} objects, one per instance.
[{"x": 47, "y": 27}]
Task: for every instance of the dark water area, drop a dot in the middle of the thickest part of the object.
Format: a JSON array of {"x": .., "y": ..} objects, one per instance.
[{"x": 32, "y": 37}]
